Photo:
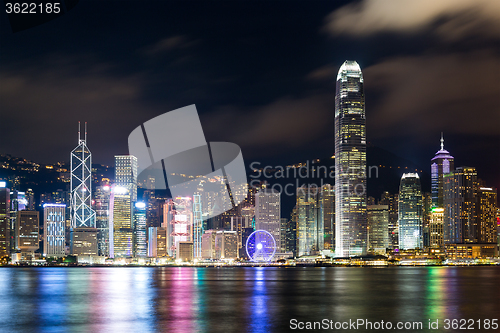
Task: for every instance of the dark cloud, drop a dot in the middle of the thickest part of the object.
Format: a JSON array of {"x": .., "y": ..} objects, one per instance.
[
  {"x": 168, "y": 44},
  {"x": 323, "y": 73},
  {"x": 419, "y": 95},
  {"x": 45, "y": 103},
  {"x": 450, "y": 18},
  {"x": 284, "y": 125}
]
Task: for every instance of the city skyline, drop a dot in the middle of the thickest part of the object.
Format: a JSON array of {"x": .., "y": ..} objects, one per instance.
[
  {"x": 345, "y": 226},
  {"x": 250, "y": 166},
  {"x": 469, "y": 215},
  {"x": 467, "y": 223}
]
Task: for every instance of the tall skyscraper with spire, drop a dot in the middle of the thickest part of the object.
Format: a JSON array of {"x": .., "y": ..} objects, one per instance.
[
  {"x": 350, "y": 162},
  {"x": 441, "y": 164},
  {"x": 83, "y": 235},
  {"x": 82, "y": 214}
]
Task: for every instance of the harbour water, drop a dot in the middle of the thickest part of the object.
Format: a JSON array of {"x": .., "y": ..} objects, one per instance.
[{"x": 252, "y": 299}]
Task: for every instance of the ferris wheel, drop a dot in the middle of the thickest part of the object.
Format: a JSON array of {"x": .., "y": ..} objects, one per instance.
[{"x": 260, "y": 246}]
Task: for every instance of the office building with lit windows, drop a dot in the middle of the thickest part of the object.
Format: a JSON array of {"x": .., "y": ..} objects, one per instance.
[
  {"x": 102, "y": 198},
  {"x": 197, "y": 225},
  {"x": 126, "y": 174},
  {"x": 18, "y": 203},
  {"x": 179, "y": 222},
  {"x": 84, "y": 242},
  {"x": 291, "y": 243},
  {"x": 184, "y": 251},
  {"x": 226, "y": 245},
  {"x": 392, "y": 202},
  {"x": 378, "y": 228},
  {"x": 124, "y": 196},
  {"x": 460, "y": 206},
  {"x": 410, "y": 216},
  {"x": 426, "y": 216},
  {"x": 208, "y": 244},
  {"x": 140, "y": 234},
  {"x": 120, "y": 223},
  {"x": 487, "y": 211},
  {"x": 268, "y": 213},
  {"x": 30, "y": 199},
  {"x": 350, "y": 162},
  {"x": 327, "y": 215},
  {"x": 157, "y": 242},
  {"x": 54, "y": 240},
  {"x": 436, "y": 228},
  {"x": 238, "y": 224},
  {"x": 27, "y": 226},
  {"x": 4, "y": 220},
  {"x": 309, "y": 222}
]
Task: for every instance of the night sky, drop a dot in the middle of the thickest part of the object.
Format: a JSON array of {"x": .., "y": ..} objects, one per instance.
[{"x": 262, "y": 75}]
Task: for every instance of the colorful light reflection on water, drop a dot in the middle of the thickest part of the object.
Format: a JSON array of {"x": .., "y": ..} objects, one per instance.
[{"x": 261, "y": 299}]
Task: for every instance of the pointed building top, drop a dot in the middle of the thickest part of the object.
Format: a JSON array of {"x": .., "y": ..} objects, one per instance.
[
  {"x": 350, "y": 68},
  {"x": 442, "y": 153},
  {"x": 80, "y": 140}
]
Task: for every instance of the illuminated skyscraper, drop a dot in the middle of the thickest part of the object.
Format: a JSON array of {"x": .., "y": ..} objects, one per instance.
[
  {"x": 487, "y": 221},
  {"x": 54, "y": 239},
  {"x": 140, "y": 237},
  {"x": 197, "y": 225},
  {"x": 208, "y": 244},
  {"x": 239, "y": 224},
  {"x": 27, "y": 233},
  {"x": 4, "y": 219},
  {"x": 18, "y": 203},
  {"x": 126, "y": 174},
  {"x": 350, "y": 162},
  {"x": 102, "y": 211},
  {"x": 84, "y": 242},
  {"x": 426, "y": 217},
  {"x": 226, "y": 245},
  {"x": 308, "y": 218},
  {"x": 179, "y": 222},
  {"x": 124, "y": 196},
  {"x": 378, "y": 228},
  {"x": 120, "y": 223},
  {"x": 327, "y": 214},
  {"x": 291, "y": 244},
  {"x": 410, "y": 216},
  {"x": 82, "y": 214},
  {"x": 392, "y": 202},
  {"x": 157, "y": 242},
  {"x": 30, "y": 199},
  {"x": 436, "y": 228},
  {"x": 315, "y": 219},
  {"x": 441, "y": 165},
  {"x": 268, "y": 213},
  {"x": 460, "y": 206},
  {"x": 184, "y": 251}
]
